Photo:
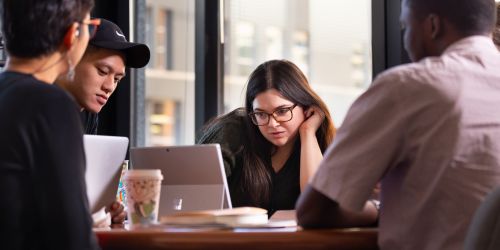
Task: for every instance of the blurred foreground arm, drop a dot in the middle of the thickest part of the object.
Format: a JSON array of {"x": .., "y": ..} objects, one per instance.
[{"x": 315, "y": 210}]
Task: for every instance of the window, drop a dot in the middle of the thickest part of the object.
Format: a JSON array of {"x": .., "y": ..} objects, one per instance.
[
  {"x": 274, "y": 43},
  {"x": 329, "y": 40},
  {"x": 2, "y": 50},
  {"x": 162, "y": 122},
  {"x": 2, "y": 53},
  {"x": 150, "y": 40},
  {"x": 300, "y": 50},
  {"x": 169, "y": 85},
  {"x": 159, "y": 37},
  {"x": 245, "y": 47}
]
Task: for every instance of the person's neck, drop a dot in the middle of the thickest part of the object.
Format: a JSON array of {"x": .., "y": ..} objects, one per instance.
[
  {"x": 45, "y": 68},
  {"x": 452, "y": 36},
  {"x": 281, "y": 155}
]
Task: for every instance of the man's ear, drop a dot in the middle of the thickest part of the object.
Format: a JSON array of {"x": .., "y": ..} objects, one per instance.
[
  {"x": 435, "y": 26},
  {"x": 71, "y": 34}
]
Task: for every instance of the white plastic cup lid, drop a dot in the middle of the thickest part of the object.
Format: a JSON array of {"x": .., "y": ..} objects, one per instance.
[{"x": 144, "y": 173}]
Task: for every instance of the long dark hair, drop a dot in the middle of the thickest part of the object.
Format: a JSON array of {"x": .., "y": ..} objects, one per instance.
[{"x": 290, "y": 82}]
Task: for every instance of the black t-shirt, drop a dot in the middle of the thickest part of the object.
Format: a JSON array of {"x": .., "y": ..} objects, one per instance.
[
  {"x": 90, "y": 121},
  {"x": 285, "y": 184},
  {"x": 42, "y": 168}
]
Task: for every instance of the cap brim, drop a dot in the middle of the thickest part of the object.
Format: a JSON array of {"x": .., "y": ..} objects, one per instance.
[{"x": 136, "y": 54}]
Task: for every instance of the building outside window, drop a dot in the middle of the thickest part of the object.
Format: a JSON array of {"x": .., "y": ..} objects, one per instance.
[
  {"x": 329, "y": 40},
  {"x": 300, "y": 50},
  {"x": 2, "y": 50},
  {"x": 169, "y": 85},
  {"x": 245, "y": 47},
  {"x": 274, "y": 42}
]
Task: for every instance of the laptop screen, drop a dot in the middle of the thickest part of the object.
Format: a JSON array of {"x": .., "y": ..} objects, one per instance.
[
  {"x": 193, "y": 176},
  {"x": 104, "y": 157}
]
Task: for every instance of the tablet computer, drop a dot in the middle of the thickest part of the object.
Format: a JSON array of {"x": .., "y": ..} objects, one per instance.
[{"x": 193, "y": 176}]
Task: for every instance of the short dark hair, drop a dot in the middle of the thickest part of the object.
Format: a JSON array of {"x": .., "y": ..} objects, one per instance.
[
  {"x": 470, "y": 17},
  {"x": 91, "y": 50},
  {"x": 32, "y": 28}
]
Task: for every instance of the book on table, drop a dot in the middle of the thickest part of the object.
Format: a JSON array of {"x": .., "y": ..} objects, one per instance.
[
  {"x": 232, "y": 217},
  {"x": 241, "y": 217}
]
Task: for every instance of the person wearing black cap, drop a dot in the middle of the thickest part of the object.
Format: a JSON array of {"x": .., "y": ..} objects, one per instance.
[
  {"x": 97, "y": 76},
  {"x": 101, "y": 69}
]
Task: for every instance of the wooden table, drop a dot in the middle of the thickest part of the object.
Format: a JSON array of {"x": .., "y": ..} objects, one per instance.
[{"x": 288, "y": 238}]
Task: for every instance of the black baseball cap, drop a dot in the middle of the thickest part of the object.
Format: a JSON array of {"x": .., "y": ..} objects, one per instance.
[{"x": 110, "y": 36}]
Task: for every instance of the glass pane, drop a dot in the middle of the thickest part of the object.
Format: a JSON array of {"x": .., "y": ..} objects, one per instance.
[
  {"x": 2, "y": 51},
  {"x": 170, "y": 73},
  {"x": 330, "y": 40}
]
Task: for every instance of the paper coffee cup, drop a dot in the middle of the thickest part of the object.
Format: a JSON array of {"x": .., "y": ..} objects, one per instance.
[{"x": 143, "y": 195}]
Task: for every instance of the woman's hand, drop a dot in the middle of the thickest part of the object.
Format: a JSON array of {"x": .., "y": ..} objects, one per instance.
[
  {"x": 310, "y": 152},
  {"x": 117, "y": 212},
  {"x": 313, "y": 119}
]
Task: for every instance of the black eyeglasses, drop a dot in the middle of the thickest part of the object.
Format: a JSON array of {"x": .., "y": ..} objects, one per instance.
[
  {"x": 92, "y": 24},
  {"x": 261, "y": 118}
]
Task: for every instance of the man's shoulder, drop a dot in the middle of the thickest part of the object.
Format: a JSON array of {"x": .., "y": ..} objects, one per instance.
[
  {"x": 427, "y": 79},
  {"x": 425, "y": 73},
  {"x": 401, "y": 72},
  {"x": 434, "y": 69}
]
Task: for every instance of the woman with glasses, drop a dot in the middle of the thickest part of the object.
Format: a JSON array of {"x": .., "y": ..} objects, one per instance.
[
  {"x": 273, "y": 146},
  {"x": 42, "y": 162}
]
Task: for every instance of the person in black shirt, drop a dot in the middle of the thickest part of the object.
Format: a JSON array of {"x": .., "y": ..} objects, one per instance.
[
  {"x": 101, "y": 69},
  {"x": 90, "y": 122},
  {"x": 273, "y": 146},
  {"x": 97, "y": 76},
  {"x": 42, "y": 163}
]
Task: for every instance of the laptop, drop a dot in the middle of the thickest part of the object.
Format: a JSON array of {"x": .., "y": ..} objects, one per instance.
[
  {"x": 104, "y": 156},
  {"x": 193, "y": 176}
]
